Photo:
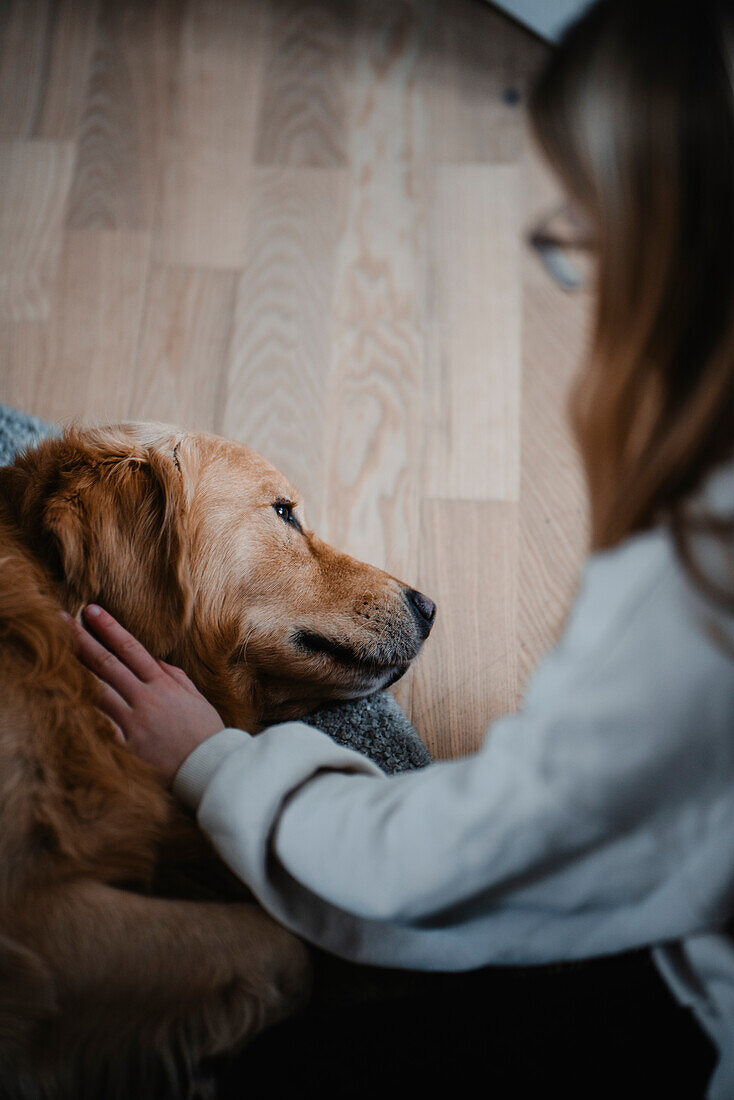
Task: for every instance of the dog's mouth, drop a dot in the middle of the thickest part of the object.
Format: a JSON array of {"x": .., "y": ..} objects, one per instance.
[{"x": 382, "y": 663}]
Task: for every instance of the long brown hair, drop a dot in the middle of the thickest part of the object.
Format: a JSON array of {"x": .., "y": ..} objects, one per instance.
[{"x": 635, "y": 113}]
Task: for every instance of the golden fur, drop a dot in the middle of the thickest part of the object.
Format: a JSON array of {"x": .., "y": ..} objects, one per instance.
[{"x": 176, "y": 534}]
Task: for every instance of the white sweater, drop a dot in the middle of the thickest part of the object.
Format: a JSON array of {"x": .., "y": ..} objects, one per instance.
[{"x": 599, "y": 818}]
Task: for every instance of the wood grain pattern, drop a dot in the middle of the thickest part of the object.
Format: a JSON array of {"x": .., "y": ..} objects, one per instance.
[
  {"x": 474, "y": 409},
  {"x": 476, "y": 71},
  {"x": 24, "y": 45},
  {"x": 374, "y": 420},
  {"x": 277, "y": 375},
  {"x": 34, "y": 182},
  {"x": 120, "y": 140},
  {"x": 183, "y": 346},
  {"x": 205, "y": 183},
  {"x": 23, "y": 355},
  {"x": 303, "y": 101},
  {"x": 205, "y": 199},
  {"x": 300, "y": 223},
  {"x": 553, "y": 509},
  {"x": 375, "y": 430},
  {"x": 72, "y": 38},
  {"x": 467, "y": 675},
  {"x": 95, "y": 324}
]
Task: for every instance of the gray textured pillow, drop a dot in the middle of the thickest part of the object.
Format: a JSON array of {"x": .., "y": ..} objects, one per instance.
[{"x": 375, "y": 726}]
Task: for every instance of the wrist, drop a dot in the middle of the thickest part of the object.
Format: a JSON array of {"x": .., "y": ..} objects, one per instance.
[{"x": 197, "y": 769}]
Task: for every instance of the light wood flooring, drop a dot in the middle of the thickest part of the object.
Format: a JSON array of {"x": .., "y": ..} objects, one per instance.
[{"x": 300, "y": 224}]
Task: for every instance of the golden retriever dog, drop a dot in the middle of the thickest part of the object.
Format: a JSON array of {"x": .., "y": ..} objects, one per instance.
[{"x": 109, "y": 983}]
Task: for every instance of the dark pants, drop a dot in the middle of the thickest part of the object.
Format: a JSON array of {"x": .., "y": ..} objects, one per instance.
[{"x": 589, "y": 1029}]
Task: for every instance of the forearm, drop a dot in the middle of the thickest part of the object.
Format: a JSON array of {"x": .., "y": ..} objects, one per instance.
[
  {"x": 585, "y": 825},
  {"x": 462, "y": 864},
  {"x": 489, "y": 859},
  {"x": 246, "y": 788}
]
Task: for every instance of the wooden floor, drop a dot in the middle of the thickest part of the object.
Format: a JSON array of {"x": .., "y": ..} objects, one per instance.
[{"x": 300, "y": 224}]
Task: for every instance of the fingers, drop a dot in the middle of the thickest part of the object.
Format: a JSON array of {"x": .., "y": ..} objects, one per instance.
[
  {"x": 121, "y": 663},
  {"x": 120, "y": 642},
  {"x": 178, "y": 675},
  {"x": 111, "y": 704},
  {"x": 104, "y": 664},
  {"x": 118, "y": 735}
]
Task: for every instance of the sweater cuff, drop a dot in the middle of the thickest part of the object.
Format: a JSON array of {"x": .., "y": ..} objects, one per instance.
[{"x": 192, "y": 778}]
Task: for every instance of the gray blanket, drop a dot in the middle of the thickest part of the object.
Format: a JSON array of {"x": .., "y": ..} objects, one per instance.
[{"x": 375, "y": 726}]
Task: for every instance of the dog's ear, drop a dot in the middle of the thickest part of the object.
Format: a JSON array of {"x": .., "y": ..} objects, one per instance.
[
  {"x": 64, "y": 518},
  {"x": 117, "y": 515},
  {"x": 14, "y": 485}
]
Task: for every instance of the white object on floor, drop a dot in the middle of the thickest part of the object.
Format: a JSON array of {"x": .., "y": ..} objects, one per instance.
[{"x": 547, "y": 18}]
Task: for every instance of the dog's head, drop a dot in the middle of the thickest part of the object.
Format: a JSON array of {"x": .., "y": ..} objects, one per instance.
[{"x": 201, "y": 548}]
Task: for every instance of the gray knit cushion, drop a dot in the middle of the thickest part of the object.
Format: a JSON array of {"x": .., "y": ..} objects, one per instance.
[
  {"x": 18, "y": 430},
  {"x": 375, "y": 726}
]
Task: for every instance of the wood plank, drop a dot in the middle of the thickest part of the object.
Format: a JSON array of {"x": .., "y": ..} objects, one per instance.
[
  {"x": 23, "y": 351},
  {"x": 553, "y": 525},
  {"x": 474, "y": 359},
  {"x": 95, "y": 323},
  {"x": 204, "y": 207},
  {"x": 467, "y": 675},
  {"x": 553, "y": 505},
  {"x": 308, "y": 53},
  {"x": 24, "y": 39},
  {"x": 72, "y": 31},
  {"x": 121, "y": 137},
  {"x": 277, "y": 373},
  {"x": 218, "y": 74},
  {"x": 34, "y": 183},
  {"x": 204, "y": 195},
  {"x": 183, "y": 346},
  {"x": 478, "y": 70},
  {"x": 374, "y": 421}
]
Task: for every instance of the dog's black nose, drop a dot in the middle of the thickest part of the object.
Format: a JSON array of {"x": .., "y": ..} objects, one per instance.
[{"x": 423, "y": 609}]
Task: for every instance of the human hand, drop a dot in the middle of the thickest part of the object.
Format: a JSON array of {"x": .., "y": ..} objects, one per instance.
[{"x": 159, "y": 713}]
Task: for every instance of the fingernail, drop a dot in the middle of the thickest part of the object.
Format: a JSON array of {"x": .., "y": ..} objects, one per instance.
[
  {"x": 92, "y": 609},
  {"x": 65, "y": 615}
]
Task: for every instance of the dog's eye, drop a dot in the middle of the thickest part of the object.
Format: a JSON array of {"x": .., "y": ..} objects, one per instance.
[{"x": 285, "y": 511}]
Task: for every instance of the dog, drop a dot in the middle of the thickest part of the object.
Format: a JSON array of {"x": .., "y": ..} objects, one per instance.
[{"x": 111, "y": 984}]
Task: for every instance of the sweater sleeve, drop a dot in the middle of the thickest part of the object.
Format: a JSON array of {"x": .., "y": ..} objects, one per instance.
[{"x": 588, "y": 823}]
